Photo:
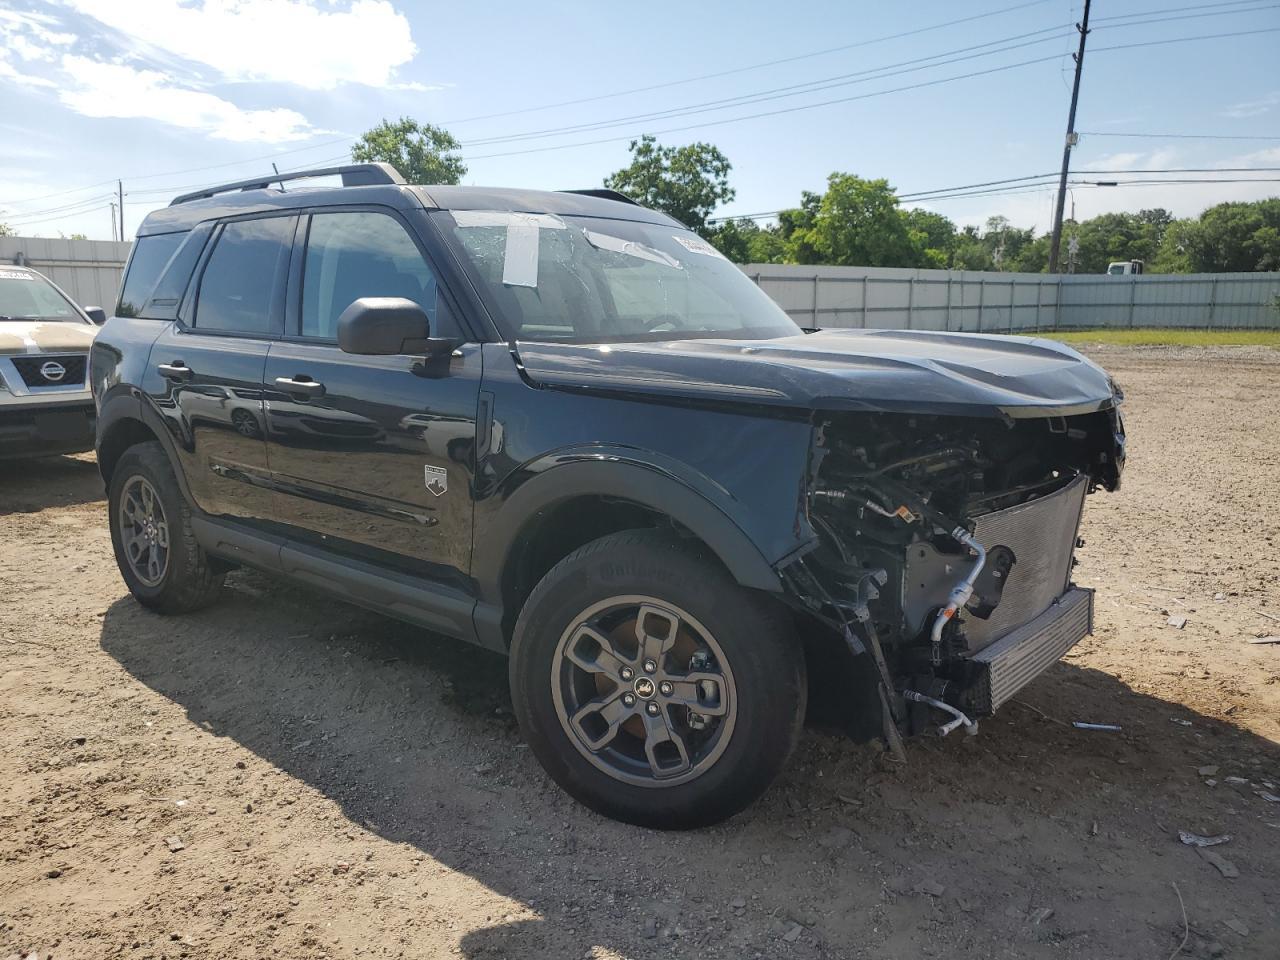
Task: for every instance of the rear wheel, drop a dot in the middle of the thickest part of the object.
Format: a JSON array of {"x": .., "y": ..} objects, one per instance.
[
  {"x": 156, "y": 550},
  {"x": 651, "y": 686}
]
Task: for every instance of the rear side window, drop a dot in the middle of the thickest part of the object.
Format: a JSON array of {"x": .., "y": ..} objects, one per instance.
[
  {"x": 150, "y": 254},
  {"x": 363, "y": 254},
  {"x": 167, "y": 294},
  {"x": 243, "y": 280}
]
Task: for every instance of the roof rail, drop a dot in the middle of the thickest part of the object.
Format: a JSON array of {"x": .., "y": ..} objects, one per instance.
[
  {"x": 353, "y": 175},
  {"x": 603, "y": 194}
]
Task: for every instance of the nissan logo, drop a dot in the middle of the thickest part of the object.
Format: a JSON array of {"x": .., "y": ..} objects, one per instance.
[{"x": 53, "y": 371}]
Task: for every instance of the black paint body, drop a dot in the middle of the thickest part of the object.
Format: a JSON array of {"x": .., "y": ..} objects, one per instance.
[{"x": 336, "y": 489}]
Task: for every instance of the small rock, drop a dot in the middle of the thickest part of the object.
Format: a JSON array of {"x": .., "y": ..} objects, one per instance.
[
  {"x": 930, "y": 888},
  {"x": 1040, "y": 915},
  {"x": 1177, "y": 622},
  {"x": 836, "y": 837},
  {"x": 483, "y": 768},
  {"x": 1211, "y": 782},
  {"x": 793, "y": 933},
  {"x": 1224, "y": 866},
  {"x": 78, "y": 741},
  {"x": 342, "y": 867},
  {"x": 650, "y": 929},
  {"x": 1237, "y": 926},
  {"x": 1181, "y": 723},
  {"x": 766, "y": 860},
  {"x": 1236, "y": 781},
  {"x": 1196, "y": 840},
  {"x": 175, "y": 844},
  {"x": 1269, "y": 796},
  {"x": 1208, "y": 771},
  {"x": 1216, "y": 949},
  {"x": 738, "y": 903},
  {"x": 53, "y": 874},
  {"x": 239, "y": 764}
]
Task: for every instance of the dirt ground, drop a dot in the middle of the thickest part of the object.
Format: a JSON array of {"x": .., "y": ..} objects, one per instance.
[{"x": 284, "y": 776}]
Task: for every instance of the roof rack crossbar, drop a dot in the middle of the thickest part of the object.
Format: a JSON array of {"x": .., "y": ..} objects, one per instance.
[
  {"x": 353, "y": 175},
  {"x": 603, "y": 193}
]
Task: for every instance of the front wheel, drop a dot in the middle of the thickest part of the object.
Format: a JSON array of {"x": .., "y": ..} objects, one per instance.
[{"x": 651, "y": 686}]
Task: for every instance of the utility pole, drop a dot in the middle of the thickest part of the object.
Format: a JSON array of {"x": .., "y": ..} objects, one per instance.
[
  {"x": 114, "y": 231},
  {"x": 1056, "y": 244},
  {"x": 120, "y": 183}
]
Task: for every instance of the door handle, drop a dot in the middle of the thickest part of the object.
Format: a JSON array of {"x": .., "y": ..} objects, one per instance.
[
  {"x": 306, "y": 387},
  {"x": 174, "y": 371}
]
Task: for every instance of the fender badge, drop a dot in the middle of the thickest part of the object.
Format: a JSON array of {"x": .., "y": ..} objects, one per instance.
[{"x": 437, "y": 479}]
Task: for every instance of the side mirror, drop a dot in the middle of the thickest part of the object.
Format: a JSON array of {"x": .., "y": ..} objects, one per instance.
[
  {"x": 384, "y": 326},
  {"x": 97, "y": 315}
]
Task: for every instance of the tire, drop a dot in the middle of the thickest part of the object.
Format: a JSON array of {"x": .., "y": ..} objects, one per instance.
[
  {"x": 161, "y": 562},
  {"x": 737, "y": 719}
]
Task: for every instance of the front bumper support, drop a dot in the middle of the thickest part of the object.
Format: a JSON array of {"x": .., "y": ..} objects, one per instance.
[{"x": 1020, "y": 656}]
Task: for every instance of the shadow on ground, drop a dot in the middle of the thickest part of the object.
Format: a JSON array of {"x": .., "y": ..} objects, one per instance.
[
  {"x": 956, "y": 854},
  {"x": 28, "y": 486}
]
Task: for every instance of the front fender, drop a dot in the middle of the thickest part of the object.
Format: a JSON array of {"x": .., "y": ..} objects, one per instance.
[{"x": 653, "y": 481}]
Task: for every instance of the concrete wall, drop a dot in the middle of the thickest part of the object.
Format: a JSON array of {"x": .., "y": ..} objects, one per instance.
[
  {"x": 89, "y": 270},
  {"x": 1005, "y": 302}
]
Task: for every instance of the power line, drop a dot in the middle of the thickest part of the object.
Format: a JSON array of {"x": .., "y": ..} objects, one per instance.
[
  {"x": 754, "y": 66},
  {"x": 1176, "y": 136},
  {"x": 793, "y": 90},
  {"x": 1162, "y": 10},
  {"x": 825, "y": 103},
  {"x": 565, "y": 103}
]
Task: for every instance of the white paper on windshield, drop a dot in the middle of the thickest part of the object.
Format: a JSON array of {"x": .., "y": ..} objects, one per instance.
[
  {"x": 520, "y": 258},
  {"x": 520, "y": 261},
  {"x": 698, "y": 245},
  {"x": 606, "y": 241},
  {"x": 15, "y": 275}
]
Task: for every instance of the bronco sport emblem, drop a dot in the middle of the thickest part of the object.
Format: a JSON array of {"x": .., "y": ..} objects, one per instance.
[{"x": 437, "y": 479}]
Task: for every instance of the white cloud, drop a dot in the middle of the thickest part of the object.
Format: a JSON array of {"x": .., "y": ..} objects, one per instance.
[
  {"x": 1254, "y": 108},
  {"x": 317, "y": 45},
  {"x": 97, "y": 89}
]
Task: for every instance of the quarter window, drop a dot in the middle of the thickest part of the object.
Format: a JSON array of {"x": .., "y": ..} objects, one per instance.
[
  {"x": 150, "y": 254},
  {"x": 363, "y": 254},
  {"x": 243, "y": 278}
]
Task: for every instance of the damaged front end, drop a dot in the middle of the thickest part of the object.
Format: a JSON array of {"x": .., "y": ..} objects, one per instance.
[{"x": 944, "y": 548}]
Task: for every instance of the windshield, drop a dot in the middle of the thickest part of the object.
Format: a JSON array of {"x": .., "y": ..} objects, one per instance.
[
  {"x": 27, "y": 296},
  {"x": 591, "y": 280}
]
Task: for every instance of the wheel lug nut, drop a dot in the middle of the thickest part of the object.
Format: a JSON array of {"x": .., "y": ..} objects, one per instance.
[
  {"x": 629, "y": 699},
  {"x": 652, "y": 709},
  {"x": 650, "y": 666},
  {"x": 627, "y": 673},
  {"x": 666, "y": 688}
]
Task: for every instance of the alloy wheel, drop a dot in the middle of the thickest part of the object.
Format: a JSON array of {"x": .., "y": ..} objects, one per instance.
[
  {"x": 144, "y": 531},
  {"x": 644, "y": 691}
]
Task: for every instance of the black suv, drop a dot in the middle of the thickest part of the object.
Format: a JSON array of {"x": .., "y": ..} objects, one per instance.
[{"x": 563, "y": 427}]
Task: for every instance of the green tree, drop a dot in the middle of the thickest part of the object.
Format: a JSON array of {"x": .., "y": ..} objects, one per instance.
[
  {"x": 1230, "y": 238},
  {"x": 421, "y": 152},
  {"x": 687, "y": 182},
  {"x": 6, "y": 230},
  {"x": 745, "y": 241},
  {"x": 969, "y": 252},
  {"x": 857, "y": 222},
  {"x": 933, "y": 235}
]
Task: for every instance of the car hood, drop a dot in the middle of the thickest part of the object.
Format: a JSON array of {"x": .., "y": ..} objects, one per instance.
[
  {"x": 37, "y": 336},
  {"x": 873, "y": 370}
]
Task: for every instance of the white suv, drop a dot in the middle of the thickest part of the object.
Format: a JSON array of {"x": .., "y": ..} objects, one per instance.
[{"x": 45, "y": 404}]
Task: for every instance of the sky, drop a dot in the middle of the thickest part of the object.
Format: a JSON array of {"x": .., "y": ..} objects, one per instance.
[{"x": 172, "y": 95}]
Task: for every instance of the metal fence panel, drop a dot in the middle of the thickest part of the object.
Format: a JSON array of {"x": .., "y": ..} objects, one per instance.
[
  {"x": 973, "y": 301},
  {"x": 89, "y": 270}
]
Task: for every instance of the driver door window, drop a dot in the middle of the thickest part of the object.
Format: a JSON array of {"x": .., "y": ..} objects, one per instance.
[{"x": 364, "y": 254}]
